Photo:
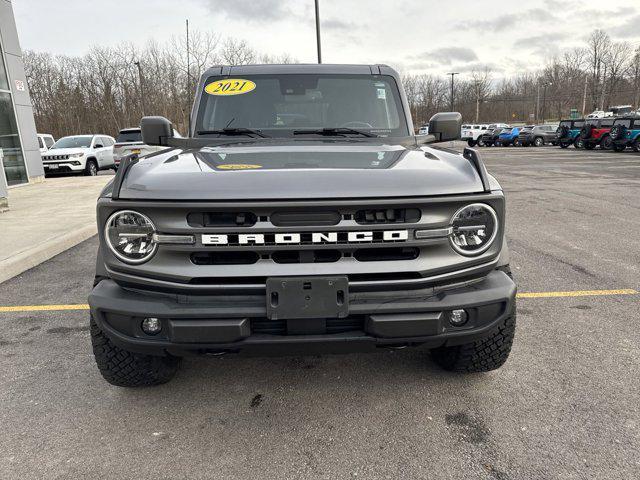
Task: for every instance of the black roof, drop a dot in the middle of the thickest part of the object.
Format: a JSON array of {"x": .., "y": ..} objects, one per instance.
[{"x": 292, "y": 68}]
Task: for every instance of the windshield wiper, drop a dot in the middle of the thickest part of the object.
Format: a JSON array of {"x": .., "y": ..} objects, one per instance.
[
  {"x": 334, "y": 132},
  {"x": 233, "y": 131}
]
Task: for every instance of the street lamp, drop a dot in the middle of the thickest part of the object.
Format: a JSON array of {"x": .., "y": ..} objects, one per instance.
[
  {"x": 544, "y": 97},
  {"x": 452, "y": 75},
  {"x": 137, "y": 64}
]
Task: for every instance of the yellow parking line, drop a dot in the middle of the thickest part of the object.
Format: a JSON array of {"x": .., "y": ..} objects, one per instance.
[
  {"x": 577, "y": 293},
  {"x": 574, "y": 293},
  {"x": 42, "y": 308}
]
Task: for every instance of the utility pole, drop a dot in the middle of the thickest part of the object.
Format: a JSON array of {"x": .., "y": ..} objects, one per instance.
[
  {"x": 537, "y": 102},
  {"x": 584, "y": 96},
  {"x": 318, "y": 31},
  {"x": 544, "y": 99},
  {"x": 188, "y": 80},
  {"x": 137, "y": 64},
  {"x": 453, "y": 74}
]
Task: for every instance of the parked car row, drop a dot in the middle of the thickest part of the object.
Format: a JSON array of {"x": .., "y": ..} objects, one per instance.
[
  {"x": 606, "y": 133},
  {"x": 88, "y": 154},
  {"x": 501, "y": 134}
]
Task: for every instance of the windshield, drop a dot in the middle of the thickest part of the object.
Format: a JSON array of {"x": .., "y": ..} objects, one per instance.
[
  {"x": 624, "y": 122},
  {"x": 73, "y": 142},
  {"x": 129, "y": 136},
  {"x": 279, "y": 105}
]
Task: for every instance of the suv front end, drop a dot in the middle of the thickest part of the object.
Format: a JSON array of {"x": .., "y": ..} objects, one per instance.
[
  {"x": 325, "y": 240},
  {"x": 213, "y": 298}
]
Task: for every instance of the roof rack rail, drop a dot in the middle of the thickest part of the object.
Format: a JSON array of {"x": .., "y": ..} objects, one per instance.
[{"x": 474, "y": 157}]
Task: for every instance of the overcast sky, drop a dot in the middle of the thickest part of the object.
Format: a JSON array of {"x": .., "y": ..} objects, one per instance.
[{"x": 416, "y": 36}]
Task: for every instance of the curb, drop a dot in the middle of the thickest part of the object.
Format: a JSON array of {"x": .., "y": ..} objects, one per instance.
[{"x": 32, "y": 257}]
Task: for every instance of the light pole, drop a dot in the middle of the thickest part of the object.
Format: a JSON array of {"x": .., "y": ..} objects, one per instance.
[
  {"x": 544, "y": 97},
  {"x": 137, "y": 64},
  {"x": 318, "y": 31},
  {"x": 188, "y": 81},
  {"x": 453, "y": 74}
]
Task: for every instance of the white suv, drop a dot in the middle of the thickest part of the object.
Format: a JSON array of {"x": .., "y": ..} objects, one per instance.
[
  {"x": 86, "y": 154},
  {"x": 130, "y": 142},
  {"x": 473, "y": 133}
]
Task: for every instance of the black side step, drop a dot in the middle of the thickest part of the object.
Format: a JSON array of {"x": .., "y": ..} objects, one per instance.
[{"x": 474, "y": 157}]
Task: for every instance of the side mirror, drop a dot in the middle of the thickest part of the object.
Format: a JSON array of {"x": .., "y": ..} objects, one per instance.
[
  {"x": 445, "y": 126},
  {"x": 156, "y": 131}
]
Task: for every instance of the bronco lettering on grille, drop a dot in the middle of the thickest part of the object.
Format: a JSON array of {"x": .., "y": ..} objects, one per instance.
[{"x": 305, "y": 238}]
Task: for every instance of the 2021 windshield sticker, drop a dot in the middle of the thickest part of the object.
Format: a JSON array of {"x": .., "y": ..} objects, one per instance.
[
  {"x": 238, "y": 166},
  {"x": 230, "y": 86}
]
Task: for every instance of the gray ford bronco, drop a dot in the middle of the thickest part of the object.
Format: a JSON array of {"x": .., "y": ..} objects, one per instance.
[{"x": 301, "y": 215}]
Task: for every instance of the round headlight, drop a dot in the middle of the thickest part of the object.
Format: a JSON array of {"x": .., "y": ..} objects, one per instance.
[
  {"x": 475, "y": 227},
  {"x": 129, "y": 236}
]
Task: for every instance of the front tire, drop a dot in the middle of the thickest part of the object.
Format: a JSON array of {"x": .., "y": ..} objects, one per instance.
[
  {"x": 122, "y": 368},
  {"x": 564, "y": 145},
  {"x": 91, "y": 169},
  {"x": 635, "y": 146},
  {"x": 488, "y": 353},
  {"x": 578, "y": 143},
  {"x": 479, "y": 142},
  {"x": 618, "y": 148},
  {"x": 471, "y": 143},
  {"x": 538, "y": 142},
  {"x": 606, "y": 143}
]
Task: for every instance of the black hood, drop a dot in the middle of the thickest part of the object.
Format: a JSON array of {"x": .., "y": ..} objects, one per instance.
[{"x": 297, "y": 170}]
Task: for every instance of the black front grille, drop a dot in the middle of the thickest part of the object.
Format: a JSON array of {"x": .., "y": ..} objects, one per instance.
[
  {"x": 388, "y": 215},
  {"x": 224, "y": 258},
  {"x": 299, "y": 219},
  {"x": 306, "y": 256},
  {"x": 222, "y": 219},
  {"x": 265, "y": 326}
]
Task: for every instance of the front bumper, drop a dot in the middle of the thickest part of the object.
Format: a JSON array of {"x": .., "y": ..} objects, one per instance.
[
  {"x": 622, "y": 141},
  {"x": 238, "y": 323},
  {"x": 63, "y": 166}
]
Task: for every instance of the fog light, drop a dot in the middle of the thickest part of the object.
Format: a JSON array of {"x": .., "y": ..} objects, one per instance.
[
  {"x": 457, "y": 318},
  {"x": 151, "y": 326}
]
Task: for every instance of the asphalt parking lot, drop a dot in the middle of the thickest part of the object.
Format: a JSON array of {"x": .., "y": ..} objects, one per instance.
[{"x": 564, "y": 406}]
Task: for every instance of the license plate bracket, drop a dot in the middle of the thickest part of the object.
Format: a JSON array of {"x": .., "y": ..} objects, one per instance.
[{"x": 307, "y": 297}]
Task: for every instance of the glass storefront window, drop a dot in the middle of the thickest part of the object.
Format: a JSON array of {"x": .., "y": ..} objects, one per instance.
[{"x": 10, "y": 146}]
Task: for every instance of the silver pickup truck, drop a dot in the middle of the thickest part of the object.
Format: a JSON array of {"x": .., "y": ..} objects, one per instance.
[{"x": 301, "y": 215}]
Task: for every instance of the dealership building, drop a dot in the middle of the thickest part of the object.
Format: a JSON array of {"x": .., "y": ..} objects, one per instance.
[{"x": 19, "y": 152}]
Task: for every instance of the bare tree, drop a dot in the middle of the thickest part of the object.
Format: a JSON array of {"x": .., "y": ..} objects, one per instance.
[
  {"x": 103, "y": 90},
  {"x": 598, "y": 49},
  {"x": 237, "y": 52},
  {"x": 481, "y": 85},
  {"x": 634, "y": 73},
  {"x": 617, "y": 65}
]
